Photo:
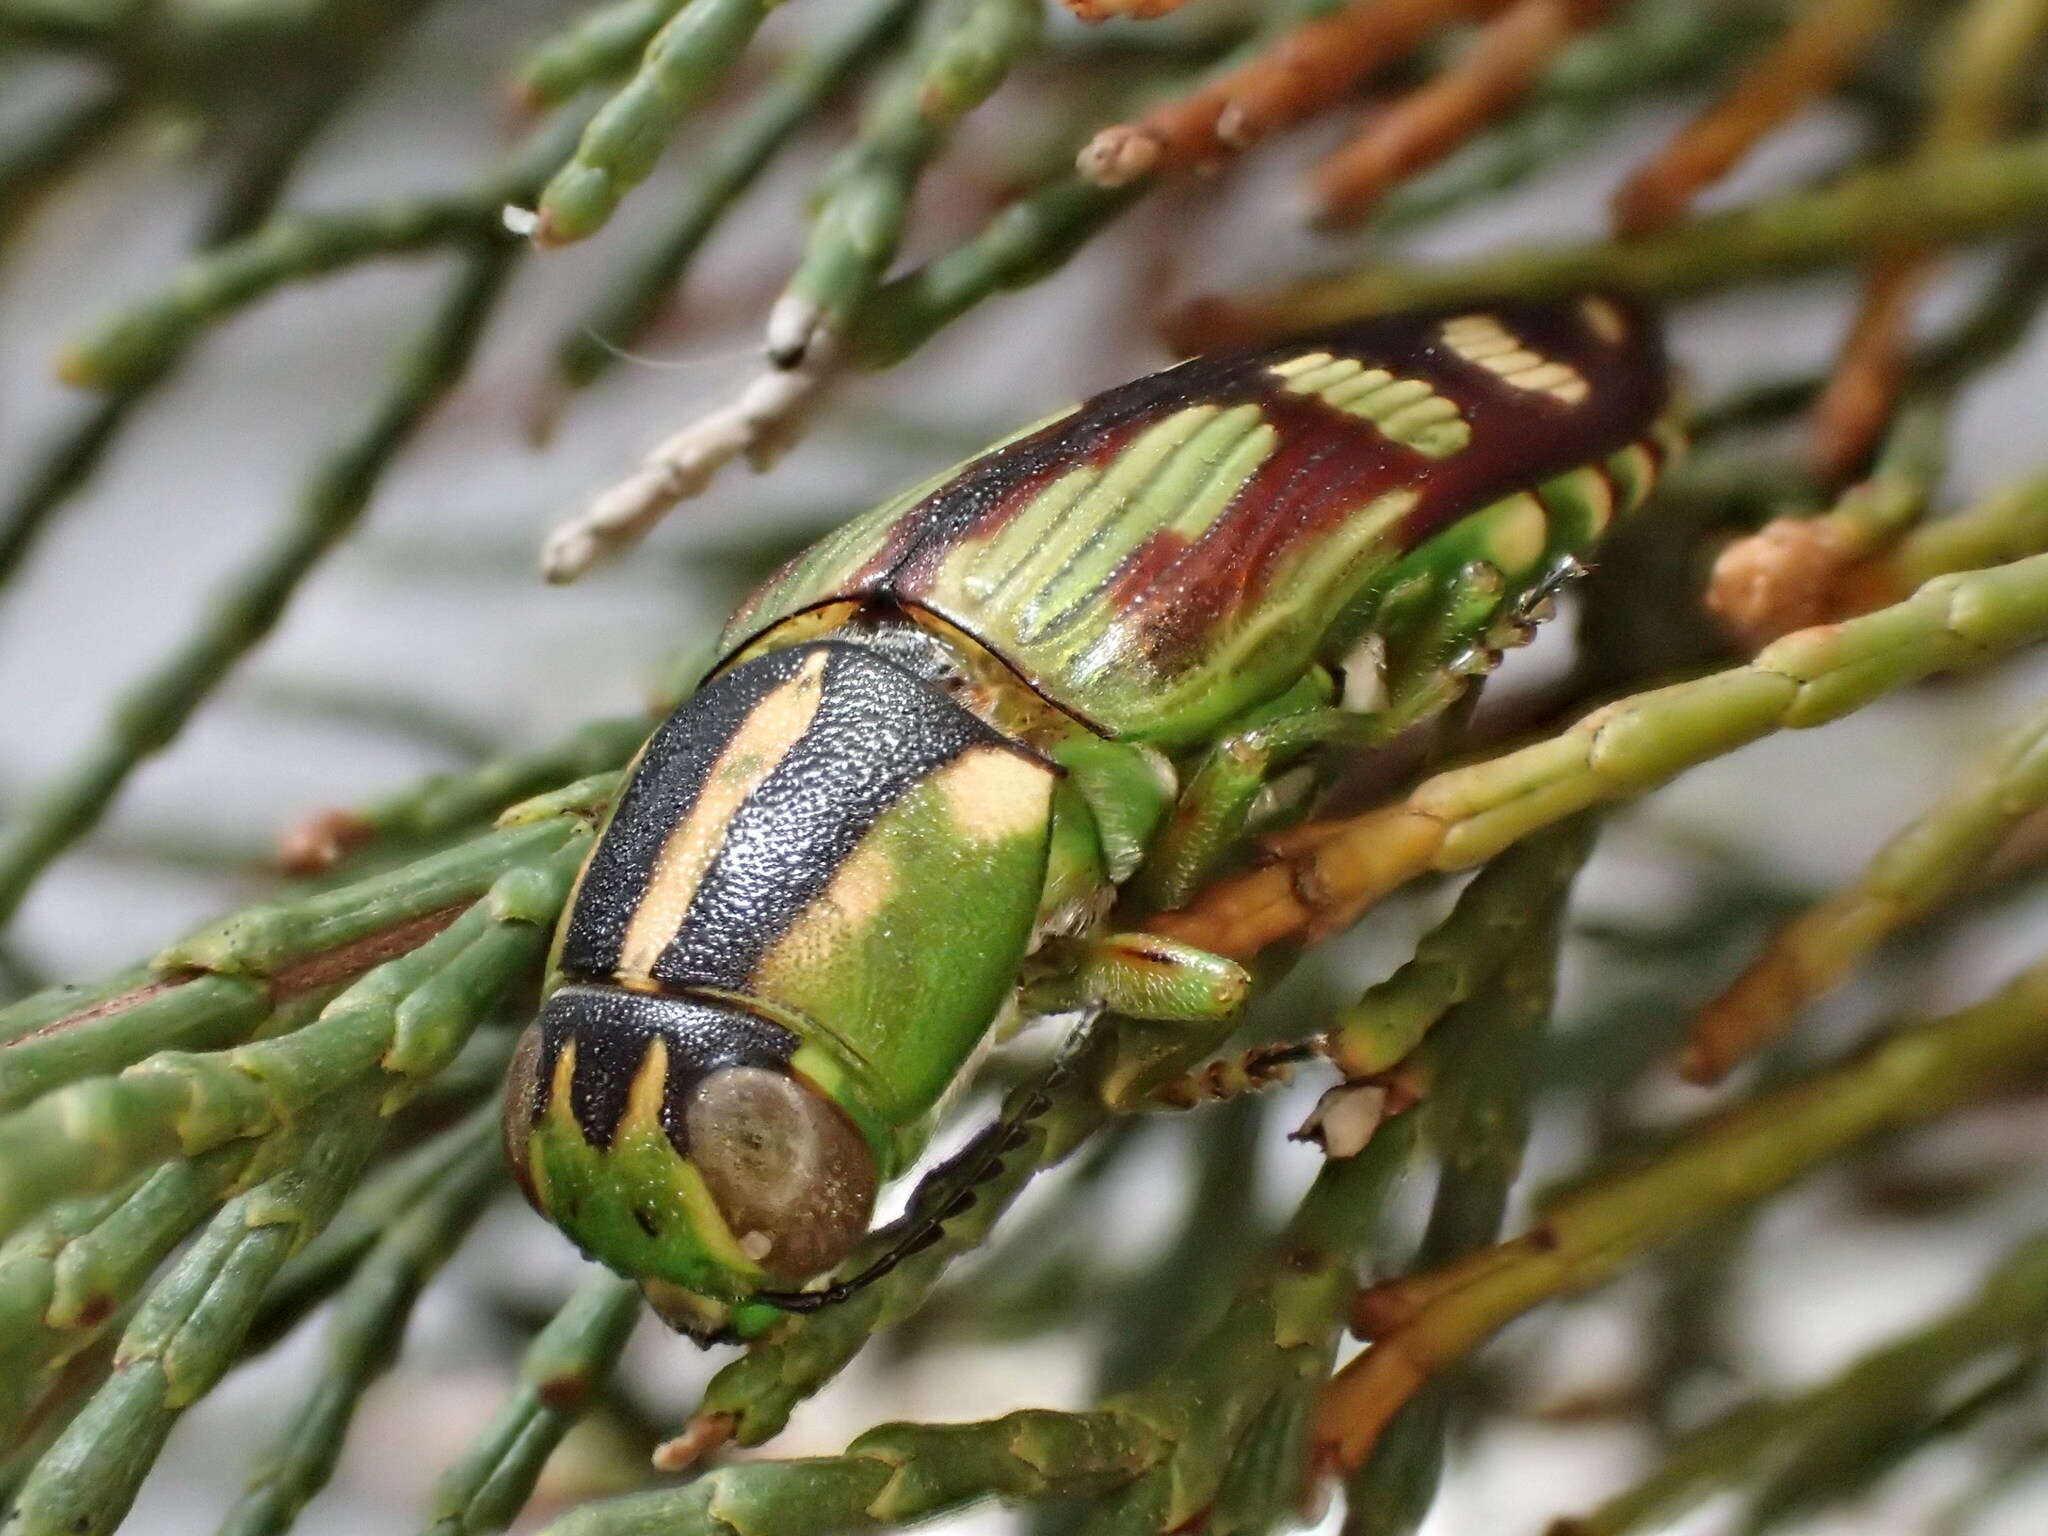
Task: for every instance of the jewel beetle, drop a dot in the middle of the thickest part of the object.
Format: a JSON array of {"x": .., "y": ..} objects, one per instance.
[{"x": 953, "y": 750}]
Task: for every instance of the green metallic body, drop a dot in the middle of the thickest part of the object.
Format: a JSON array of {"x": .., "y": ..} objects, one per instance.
[{"x": 952, "y": 740}]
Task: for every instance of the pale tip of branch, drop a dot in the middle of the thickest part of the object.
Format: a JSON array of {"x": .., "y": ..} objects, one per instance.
[
  {"x": 760, "y": 425},
  {"x": 321, "y": 841},
  {"x": 700, "y": 1437},
  {"x": 1118, "y": 156},
  {"x": 569, "y": 551},
  {"x": 1234, "y": 126},
  {"x": 1345, "y": 1118},
  {"x": 793, "y": 325},
  {"x": 523, "y": 222}
]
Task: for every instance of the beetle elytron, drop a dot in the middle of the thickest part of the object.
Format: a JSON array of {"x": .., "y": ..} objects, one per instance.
[{"x": 948, "y": 743}]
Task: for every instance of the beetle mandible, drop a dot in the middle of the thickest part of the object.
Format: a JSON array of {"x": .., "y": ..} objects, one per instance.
[{"x": 950, "y": 748}]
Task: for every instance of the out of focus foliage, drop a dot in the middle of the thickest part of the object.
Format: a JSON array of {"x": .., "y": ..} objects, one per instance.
[{"x": 286, "y": 1121}]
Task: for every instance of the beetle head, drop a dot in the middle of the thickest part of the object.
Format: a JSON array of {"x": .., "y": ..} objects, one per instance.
[{"x": 673, "y": 1139}]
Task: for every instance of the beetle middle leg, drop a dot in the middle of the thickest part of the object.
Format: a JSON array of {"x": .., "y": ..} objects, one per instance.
[
  {"x": 1222, "y": 795},
  {"x": 1442, "y": 633},
  {"x": 1374, "y": 1044}
]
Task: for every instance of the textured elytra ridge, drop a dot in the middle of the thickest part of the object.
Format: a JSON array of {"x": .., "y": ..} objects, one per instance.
[
  {"x": 1407, "y": 410},
  {"x": 1181, "y": 547},
  {"x": 812, "y": 833},
  {"x": 1482, "y": 339}
]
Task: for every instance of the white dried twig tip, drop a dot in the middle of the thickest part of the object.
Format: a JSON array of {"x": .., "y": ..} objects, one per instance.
[
  {"x": 1234, "y": 127},
  {"x": 700, "y": 1437},
  {"x": 795, "y": 325},
  {"x": 1345, "y": 1119},
  {"x": 760, "y": 424},
  {"x": 521, "y": 221},
  {"x": 1117, "y": 156}
]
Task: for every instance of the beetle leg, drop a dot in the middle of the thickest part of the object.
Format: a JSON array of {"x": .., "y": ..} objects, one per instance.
[
  {"x": 951, "y": 1188},
  {"x": 1231, "y": 1077},
  {"x": 1222, "y": 794},
  {"x": 1344, "y": 1118},
  {"x": 1141, "y": 976},
  {"x": 1427, "y": 650}
]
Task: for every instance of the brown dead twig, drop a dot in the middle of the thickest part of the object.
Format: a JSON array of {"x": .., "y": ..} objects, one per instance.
[
  {"x": 1850, "y": 417},
  {"x": 1306, "y": 70},
  {"x": 1135, "y": 10},
  {"x": 1821, "y": 47},
  {"x": 1508, "y": 56},
  {"x": 1990, "y": 56}
]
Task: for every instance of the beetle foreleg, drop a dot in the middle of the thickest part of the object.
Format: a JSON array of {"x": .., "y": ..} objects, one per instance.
[
  {"x": 1141, "y": 976},
  {"x": 1211, "y": 815},
  {"x": 1344, "y": 1118},
  {"x": 1231, "y": 1077}
]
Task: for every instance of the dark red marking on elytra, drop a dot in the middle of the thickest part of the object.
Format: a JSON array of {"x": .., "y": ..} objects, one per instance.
[{"x": 1327, "y": 466}]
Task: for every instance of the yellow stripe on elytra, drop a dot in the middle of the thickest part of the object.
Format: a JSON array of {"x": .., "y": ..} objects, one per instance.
[
  {"x": 649, "y": 1088},
  {"x": 1186, "y": 493},
  {"x": 994, "y": 793},
  {"x": 1408, "y": 411},
  {"x": 764, "y": 739},
  {"x": 831, "y": 922},
  {"x": 1482, "y": 339},
  {"x": 1604, "y": 318},
  {"x": 1095, "y": 504},
  {"x": 989, "y": 793}
]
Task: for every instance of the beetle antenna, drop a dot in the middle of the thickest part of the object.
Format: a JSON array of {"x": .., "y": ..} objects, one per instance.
[{"x": 951, "y": 1188}]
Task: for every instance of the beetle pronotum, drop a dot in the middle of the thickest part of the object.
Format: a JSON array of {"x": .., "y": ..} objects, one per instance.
[{"x": 952, "y": 746}]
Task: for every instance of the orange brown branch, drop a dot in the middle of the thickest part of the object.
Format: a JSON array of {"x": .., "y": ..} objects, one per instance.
[
  {"x": 1851, "y": 416},
  {"x": 703, "y": 1435},
  {"x": 1422, "y": 1323},
  {"x": 1136, "y": 10},
  {"x": 1326, "y": 875},
  {"x": 1791, "y": 573},
  {"x": 1989, "y": 57},
  {"x": 321, "y": 841},
  {"x": 1821, "y": 47},
  {"x": 1427, "y": 124},
  {"x": 1305, "y": 71}
]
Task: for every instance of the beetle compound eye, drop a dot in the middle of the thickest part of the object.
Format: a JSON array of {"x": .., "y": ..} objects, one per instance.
[
  {"x": 792, "y": 1177},
  {"x": 522, "y": 1085}
]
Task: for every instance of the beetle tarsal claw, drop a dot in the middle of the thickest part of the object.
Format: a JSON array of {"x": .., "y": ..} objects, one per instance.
[
  {"x": 1365, "y": 677},
  {"x": 761, "y": 424},
  {"x": 1345, "y": 1119},
  {"x": 1282, "y": 796}
]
